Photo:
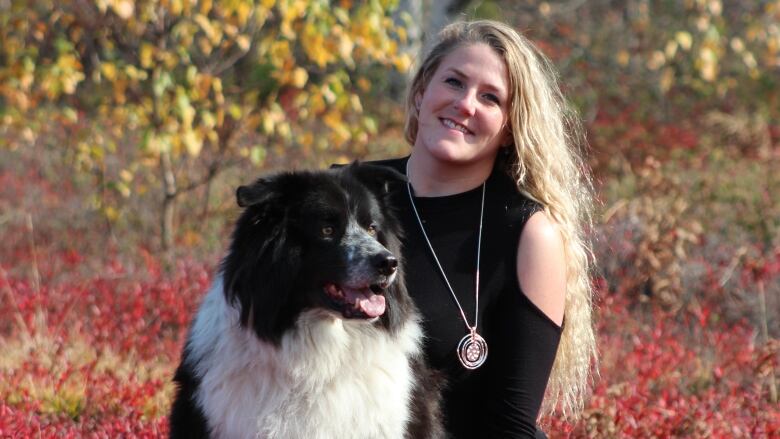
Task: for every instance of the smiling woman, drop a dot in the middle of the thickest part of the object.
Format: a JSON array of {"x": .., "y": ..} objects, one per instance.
[{"x": 493, "y": 214}]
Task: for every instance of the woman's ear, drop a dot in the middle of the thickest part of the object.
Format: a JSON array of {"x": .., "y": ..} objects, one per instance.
[{"x": 417, "y": 101}]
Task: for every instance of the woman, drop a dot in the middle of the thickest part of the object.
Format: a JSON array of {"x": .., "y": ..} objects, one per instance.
[{"x": 494, "y": 216}]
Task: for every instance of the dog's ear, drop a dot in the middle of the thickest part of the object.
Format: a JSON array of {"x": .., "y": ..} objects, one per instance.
[
  {"x": 261, "y": 244},
  {"x": 379, "y": 178},
  {"x": 258, "y": 192}
]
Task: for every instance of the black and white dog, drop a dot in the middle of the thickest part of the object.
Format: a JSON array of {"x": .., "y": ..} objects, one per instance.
[{"x": 307, "y": 330}]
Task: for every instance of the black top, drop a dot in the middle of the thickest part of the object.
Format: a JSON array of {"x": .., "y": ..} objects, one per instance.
[{"x": 501, "y": 398}]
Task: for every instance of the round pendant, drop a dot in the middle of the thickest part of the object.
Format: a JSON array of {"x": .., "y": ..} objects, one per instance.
[{"x": 472, "y": 351}]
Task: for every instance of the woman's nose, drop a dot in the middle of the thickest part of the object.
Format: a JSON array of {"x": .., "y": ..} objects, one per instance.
[{"x": 465, "y": 103}]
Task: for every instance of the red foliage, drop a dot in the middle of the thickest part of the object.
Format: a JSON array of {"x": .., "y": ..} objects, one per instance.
[
  {"x": 142, "y": 321},
  {"x": 660, "y": 376},
  {"x": 667, "y": 378}
]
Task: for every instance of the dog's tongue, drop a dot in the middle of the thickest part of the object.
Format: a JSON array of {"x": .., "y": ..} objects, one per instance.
[{"x": 373, "y": 305}]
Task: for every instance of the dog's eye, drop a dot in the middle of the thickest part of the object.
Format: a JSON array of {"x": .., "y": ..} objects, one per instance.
[
  {"x": 327, "y": 231},
  {"x": 371, "y": 229}
]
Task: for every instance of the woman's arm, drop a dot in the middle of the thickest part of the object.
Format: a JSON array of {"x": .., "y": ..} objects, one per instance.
[{"x": 526, "y": 330}]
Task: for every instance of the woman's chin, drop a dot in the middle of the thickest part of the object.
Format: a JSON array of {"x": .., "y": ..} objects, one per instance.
[{"x": 454, "y": 154}]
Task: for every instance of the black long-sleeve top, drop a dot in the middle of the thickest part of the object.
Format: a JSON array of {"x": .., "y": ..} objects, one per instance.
[{"x": 502, "y": 398}]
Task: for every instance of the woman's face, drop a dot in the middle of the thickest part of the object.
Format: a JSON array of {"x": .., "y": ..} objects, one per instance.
[{"x": 462, "y": 111}]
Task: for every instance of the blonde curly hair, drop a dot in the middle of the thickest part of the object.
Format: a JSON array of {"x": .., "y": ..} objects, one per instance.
[{"x": 546, "y": 163}]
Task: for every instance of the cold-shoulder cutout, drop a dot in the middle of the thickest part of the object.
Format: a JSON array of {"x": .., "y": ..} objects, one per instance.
[{"x": 541, "y": 266}]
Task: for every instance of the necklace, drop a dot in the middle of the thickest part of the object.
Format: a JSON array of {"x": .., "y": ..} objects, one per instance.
[{"x": 472, "y": 349}]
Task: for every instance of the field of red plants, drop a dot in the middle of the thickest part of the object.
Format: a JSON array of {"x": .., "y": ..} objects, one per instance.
[{"x": 92, "y": 331}]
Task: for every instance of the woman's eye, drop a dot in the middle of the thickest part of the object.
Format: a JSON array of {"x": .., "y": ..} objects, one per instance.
[
  {"x": 327, "y": 231},
  {"x": 492, "y": 98},
  {"x": 455, "y": 82}
]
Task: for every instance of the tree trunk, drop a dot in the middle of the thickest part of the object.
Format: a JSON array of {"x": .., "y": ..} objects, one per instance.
[
  {"x": 408, "y": 15},
  {"x": 169, "y": 201},
  {"x": 440, "y": 14}
]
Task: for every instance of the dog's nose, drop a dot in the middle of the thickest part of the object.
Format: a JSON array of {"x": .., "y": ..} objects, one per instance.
[{"x": 386, "y": 263}]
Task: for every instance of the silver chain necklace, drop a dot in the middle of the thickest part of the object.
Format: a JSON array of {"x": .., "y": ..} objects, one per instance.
[{"x": 472, "y": 349}]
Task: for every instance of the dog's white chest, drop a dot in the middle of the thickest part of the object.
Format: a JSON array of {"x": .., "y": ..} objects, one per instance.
[{"x": 328, "y": 379}]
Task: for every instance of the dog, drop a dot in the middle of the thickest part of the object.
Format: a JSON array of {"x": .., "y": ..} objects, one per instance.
[{"x": 307, "y": 330}]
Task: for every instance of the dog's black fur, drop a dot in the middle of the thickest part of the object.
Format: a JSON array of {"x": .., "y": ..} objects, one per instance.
[{"x": 299, "y": 244}]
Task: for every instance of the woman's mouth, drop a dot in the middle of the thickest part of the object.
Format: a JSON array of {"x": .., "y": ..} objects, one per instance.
[{"x": 451, "y": 124}]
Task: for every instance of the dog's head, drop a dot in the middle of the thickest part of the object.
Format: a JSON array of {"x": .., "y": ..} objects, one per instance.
[{"x": 327, "y": 240}]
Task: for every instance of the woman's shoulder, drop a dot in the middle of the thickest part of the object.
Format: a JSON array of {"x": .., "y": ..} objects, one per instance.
[{"x": 541, "y": 265}]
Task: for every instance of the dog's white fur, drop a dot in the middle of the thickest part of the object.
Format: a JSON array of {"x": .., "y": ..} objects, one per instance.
[{"x": 329, "y": 378}]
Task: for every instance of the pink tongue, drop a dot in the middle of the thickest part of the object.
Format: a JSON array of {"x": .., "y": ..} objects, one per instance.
[{"x": 373, "y": 305}]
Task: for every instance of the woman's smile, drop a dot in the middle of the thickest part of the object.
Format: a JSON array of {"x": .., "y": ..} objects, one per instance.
[{"x": 449, "y": 123}]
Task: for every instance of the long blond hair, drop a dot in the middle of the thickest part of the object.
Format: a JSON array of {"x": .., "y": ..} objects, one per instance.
[{"x": 547, "y": 165}]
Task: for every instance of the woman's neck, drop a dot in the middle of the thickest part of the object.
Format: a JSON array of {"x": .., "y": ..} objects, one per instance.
[{"x": 432, "y": 178}]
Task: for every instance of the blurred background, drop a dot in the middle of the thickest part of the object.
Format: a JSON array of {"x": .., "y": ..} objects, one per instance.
[{"x": 125, "y": 127}]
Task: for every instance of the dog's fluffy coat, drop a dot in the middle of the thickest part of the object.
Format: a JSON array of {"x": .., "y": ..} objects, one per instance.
[{"x": 308, "y": 331}]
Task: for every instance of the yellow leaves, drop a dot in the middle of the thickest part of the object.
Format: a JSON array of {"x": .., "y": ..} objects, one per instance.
[
  {"x": 123, "y": 186},
  {"x": 737, "y": 45},
  {"x": 363, "y": 84},
  {"x": 402, "y": 35},
  {"x": 145, "y": 53},
  {"x": 205, "y": 46},
  {"x": 212, "y": 31},
  {"x": 272, "y": 118},
  {"x": 155, "y": 143},
  {"x": 192, "y": 142},
  {"x": 280, "y": 52},
  {"x": 205, "y": 7},
  {"x": 290, "y": 11},
  {"x": 623, "y": 57},
  {"x": 667, "y": 79},
  {"x": 345, "y": 47},
  {"x": 307, "y": 139},
  {"x": 299, "y": 77},
  {"x": 202, "y": 85},
  {"x": 334, "y": 120},
  {"x": 402, "y": 62},
  {"x": 243, "y": 42},
  {"x": 135, "y": 74},
  {"x": 715, "y": 7},
  {"x": 176, "y": 6},
  {"x": 111, "y": 213},
  {"x": 656, "y": 60},
  {"x": 317, "y": 48},
  {"x": 316, "y": 102},
  {"x": 123, "y": 8},
  {"x": 297, "y": 84},
  {"x": 707, "y": 63},
  {"x": 257, "y": 155},
  {"x": 242, "y": 12},
  {"x": 108, "y": 70},
  {"x": 355, "y": 103},
  {"x": 63, "y": 77},
  {"x": 684, "y": 39},
  {"x": 184, "y": 108},
  {"x": 671, "y": 49}
]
